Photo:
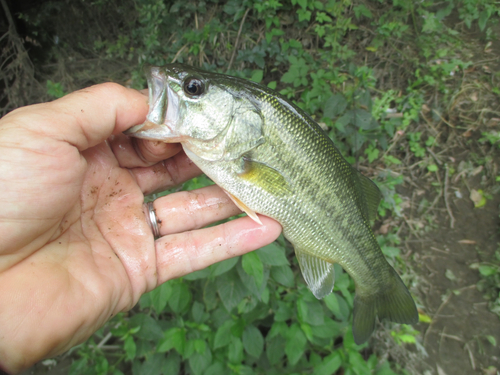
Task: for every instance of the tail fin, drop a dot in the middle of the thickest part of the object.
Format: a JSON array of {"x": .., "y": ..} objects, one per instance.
[{"x": 394, "y": 303}]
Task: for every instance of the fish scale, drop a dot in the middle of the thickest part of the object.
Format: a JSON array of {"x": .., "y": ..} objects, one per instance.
[{"x": 271, "y": 158}]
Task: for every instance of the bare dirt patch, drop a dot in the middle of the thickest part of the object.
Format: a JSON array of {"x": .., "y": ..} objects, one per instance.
[{"x": 456, "y": 339}]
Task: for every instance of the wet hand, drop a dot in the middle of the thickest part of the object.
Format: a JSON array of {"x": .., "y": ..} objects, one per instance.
[{"x": 76, "y": 248}]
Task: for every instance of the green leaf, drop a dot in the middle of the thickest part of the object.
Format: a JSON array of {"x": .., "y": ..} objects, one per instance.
[
  {"x": 238, "y": 327},
  {"x": 180, "y": 297},
  {"x": 252, "y": 265},
  {"x": 200, "y": 361},
  {"x": 483, "y": 18},
  {"x": 278, "y": 328},
  {"x": 150, "y": 329},
  {"x": 364, "y": 119},
  {"x": 200, "y": 345},
  {"x": 173, "y": 338},
  {"x": 330, "y": 364},
  {"x": 304, "y": 15},
  {"x": 275, "y": 350},
  {"x": 358, "y": 363},
  {"x": 130, "y": 348},
  {"x": 296, "y": 344},
  {"x": 201, "y": 274},
  {"x": 253, "y": 341},
  {"x": 198, "y": 312},
  {"x": 216, "y": 368},
  {"x": 223, "y": 335},
  {"x": 272, "y": 85},
  {"x": 231, "y": 290},
  {"x": 389, "y": 159},
  {"x": 487, "y": 270},
  {"x": 330, "y": 329},
  {"x": 257, "y": 75},
  {"x": 235, "y": 352},
  {"x": 171, "y": 364},
  {"x": 160, "y": 296},
  {"x": 491, "y": 340},
  {"x": 78, "y": 367},
  {"x": 272, "y": 255},
  {"x": 290, "y": 76},
  {"x": 283, "y": 312},
  {"x": 338, "y": 306},
  {"x": 154, "y": 365},
  {"x": 361, "y": 10},
  {"x": 385, "y": 369},
  {"x": 302, "y": 3},
  {"x": 432, "y": 168},
  {"x": 450, "y": 275},
  {"x": 310, "y": 311},
  {"x": 251, "y": 283},
  {"x": 283, "y": 275},
  {"x": 224, "y": 266}
]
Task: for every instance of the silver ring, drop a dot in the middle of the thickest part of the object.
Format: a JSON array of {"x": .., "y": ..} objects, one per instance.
[{"x": 152, "y": 219}]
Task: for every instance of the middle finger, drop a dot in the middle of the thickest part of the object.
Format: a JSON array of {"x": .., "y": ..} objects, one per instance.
[{"x": 188, "y": 210}]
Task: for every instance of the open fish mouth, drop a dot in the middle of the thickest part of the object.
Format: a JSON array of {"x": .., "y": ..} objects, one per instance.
[{"x": 163, "y": 105}]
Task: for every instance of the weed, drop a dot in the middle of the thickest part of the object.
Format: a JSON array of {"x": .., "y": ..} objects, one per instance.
[{"x": 490, "y": 281}]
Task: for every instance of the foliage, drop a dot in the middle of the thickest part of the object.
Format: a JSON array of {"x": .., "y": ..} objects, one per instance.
[
  {"x": 490, "y": 281},
  {"x": 253, "y": 314},
  {"x": 243, "y": 315}
]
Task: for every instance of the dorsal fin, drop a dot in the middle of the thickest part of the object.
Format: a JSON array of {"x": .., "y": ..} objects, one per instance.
[{"x": 372, "y": 195}]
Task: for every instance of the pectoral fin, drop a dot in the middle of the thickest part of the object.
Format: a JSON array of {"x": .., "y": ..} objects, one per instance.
[
  {"x": 318, "y": 273},
  {"x": 242, "y": 206},
  {"x": 265, "y": 177}
]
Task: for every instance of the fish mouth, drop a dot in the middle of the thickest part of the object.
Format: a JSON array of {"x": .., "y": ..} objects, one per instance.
[{"x": 162, "y": 114}]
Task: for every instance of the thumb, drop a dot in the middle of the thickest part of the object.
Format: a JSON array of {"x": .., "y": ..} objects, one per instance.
[{"x": 85, "y": 117}]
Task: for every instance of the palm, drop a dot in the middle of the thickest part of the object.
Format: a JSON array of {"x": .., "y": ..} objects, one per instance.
[{"x": 98, "y": 255}]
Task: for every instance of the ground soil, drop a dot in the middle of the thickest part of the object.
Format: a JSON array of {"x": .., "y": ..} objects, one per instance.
[{"x": 455, "y": 340}]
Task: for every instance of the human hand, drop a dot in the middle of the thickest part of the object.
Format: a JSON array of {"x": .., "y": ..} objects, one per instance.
[{"x": 75, "y": 247}]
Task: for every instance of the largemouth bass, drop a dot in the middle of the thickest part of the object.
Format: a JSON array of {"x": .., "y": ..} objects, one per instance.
[{"x": 271, "y": 158}]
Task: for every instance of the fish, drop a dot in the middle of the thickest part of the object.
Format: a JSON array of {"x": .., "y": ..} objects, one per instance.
[{"x": 271, "y": 158}]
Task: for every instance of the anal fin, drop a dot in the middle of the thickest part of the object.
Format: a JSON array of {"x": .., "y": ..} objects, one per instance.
[
  {"x": 243, "y": 207},
  {"x": 318, "y": 273}
]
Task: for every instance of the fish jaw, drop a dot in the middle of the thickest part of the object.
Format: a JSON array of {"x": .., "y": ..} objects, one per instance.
[{"x": 163, "y": 114}]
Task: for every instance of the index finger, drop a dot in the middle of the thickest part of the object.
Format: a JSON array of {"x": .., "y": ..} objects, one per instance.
[{"x": 85, "y": 117}]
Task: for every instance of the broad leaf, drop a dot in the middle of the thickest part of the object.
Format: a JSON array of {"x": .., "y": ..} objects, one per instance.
[
  {"x": 275, "y": 350},
  {"x": 150, "y": 329},
  {"x": 283, "y": 275},
  {"x": 180, "y": 297},
  {"x": 224, "y": 266},
  {"x": 253, "y": 341},
  {"x": 160, "y": 296},
  {"x": 296, "y": 344},
  {"x": 231, "y": 290},
  {"x": 272, "y": 255},
  {"x": 330, "y": 365},
  {"x": 223, "y": 335},
  {"x": 253, "y": 266},
  {"x": 200, "y": 361}
]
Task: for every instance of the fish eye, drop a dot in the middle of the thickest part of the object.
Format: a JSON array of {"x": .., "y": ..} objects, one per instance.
[{"x": 194, "y": 87}]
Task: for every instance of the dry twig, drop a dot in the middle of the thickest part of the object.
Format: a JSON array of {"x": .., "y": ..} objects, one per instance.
[
  {"x": 237, "y": 40},
  {"x": 446, "y": 202}
]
